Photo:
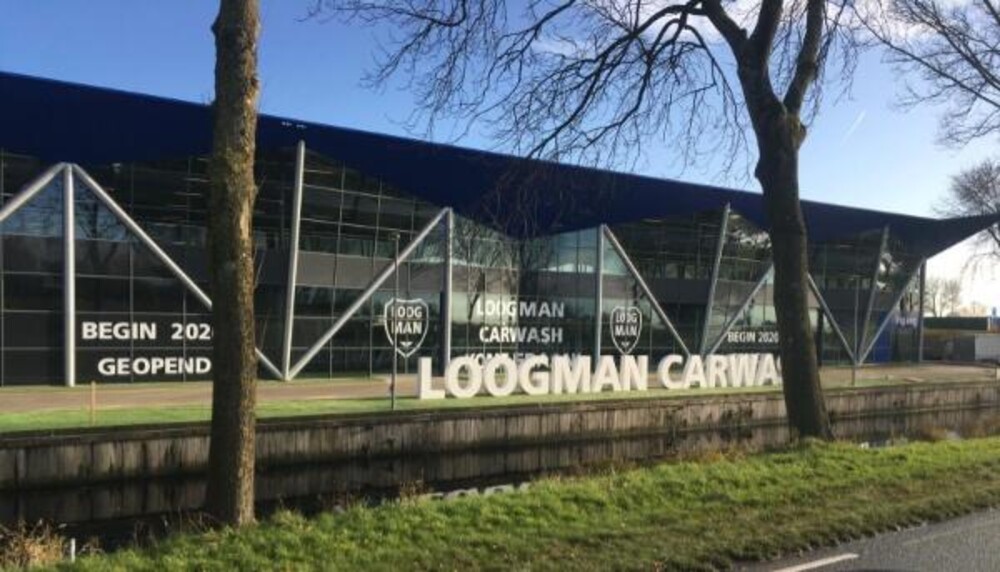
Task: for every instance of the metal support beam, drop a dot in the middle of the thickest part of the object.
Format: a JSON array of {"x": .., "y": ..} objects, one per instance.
[
  {"x": 892, "y": 309},
  {"x": 149, "y": 243},
  {"x": 613, "y": 241},
  {"x": 723, "y": 228},
  {"x": 69, "y": 277},
  {"x": 831, "y": 318},
  {"x": 599, "y": 293},
  {"x": 743, "y": 307},
  {"x": 449, "y": 261},
  {"x": 873, "y": 291},
  {"x": 360, "y": 301},
  {"x": 920, "y": 313},
  {"x": 293, "y": 259}
]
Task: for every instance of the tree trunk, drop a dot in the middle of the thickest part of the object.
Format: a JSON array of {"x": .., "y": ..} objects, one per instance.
[
  {"x": 779, "y": 136},
  {"x": 230, "y": 497}
]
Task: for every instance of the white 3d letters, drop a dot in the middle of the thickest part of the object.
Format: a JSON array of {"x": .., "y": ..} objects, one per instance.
[
  {"x": 424, "y": 388},
  {"x": 503, "y": 375}
]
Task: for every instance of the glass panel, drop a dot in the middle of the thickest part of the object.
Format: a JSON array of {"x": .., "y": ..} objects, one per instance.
[
  {"x": 755, "y": 329},
  {"x": 746, "y": 257},
  {"x": 41, "y": 216},
  {"x": 675, "y": 256},
  {"x": 843, "y": 271},
  {"x": 897, "y": 266},
  {"x": 629, "y": 322},
  {"x": 94, "y": 220},
  {"x": 329, "y": 284}
]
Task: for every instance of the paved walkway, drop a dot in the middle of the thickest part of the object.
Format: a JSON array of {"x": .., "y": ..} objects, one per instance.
[{"x": 39, "y": 398}]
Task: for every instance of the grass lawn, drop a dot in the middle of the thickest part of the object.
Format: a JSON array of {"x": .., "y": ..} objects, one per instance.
[
  {"x": 62, "y": 419},
  {"x": 702, "y": 514}
]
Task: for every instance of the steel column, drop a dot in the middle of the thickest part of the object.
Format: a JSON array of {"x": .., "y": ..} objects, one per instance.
[
  {"x": 599, "y": 294},
  {"x": 372, "y": 287},
  {"x": 69, "y": 278},
  {"x": 149, "y": 243},
  {"x": 892, "y": 309},
  {"x": 613, "y": 241},
  {"x": 746, "y": 303},
  {"x": 293, "y": 259},
  {"x": 920, "y": 314},
  {"x": 723, "y": 228},
  {"x": 392, "y": 321},
  {"x": 831, "y": 318},
  {"x": 449, "y": 253}
]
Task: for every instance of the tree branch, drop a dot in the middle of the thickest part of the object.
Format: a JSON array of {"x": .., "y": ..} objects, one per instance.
[{"x": 807, "y": 62}]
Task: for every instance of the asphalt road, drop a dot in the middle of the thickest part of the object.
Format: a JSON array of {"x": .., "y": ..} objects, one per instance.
[{"x": 967, "y": 544}]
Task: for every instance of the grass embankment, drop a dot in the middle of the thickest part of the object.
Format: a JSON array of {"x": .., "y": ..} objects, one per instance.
[{"x": 702, "y": 514}]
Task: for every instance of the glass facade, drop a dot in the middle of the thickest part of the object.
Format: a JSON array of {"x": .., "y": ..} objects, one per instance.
[{"x": 705, "y": 276}]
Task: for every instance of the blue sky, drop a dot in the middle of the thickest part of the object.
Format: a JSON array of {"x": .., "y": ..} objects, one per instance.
[{"x": 861, "y": 150}]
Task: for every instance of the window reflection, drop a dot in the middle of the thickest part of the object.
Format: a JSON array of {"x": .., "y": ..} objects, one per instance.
[{"x": 349, "y": 226}]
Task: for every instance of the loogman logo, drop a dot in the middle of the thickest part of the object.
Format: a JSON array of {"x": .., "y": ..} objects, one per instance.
[
  {"x": 626, "y": 328},
  {"x": 502, "y": 375},
  {"x": 406, "y": 324}
]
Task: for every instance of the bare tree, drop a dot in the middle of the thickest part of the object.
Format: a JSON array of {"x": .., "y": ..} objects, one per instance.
[
  {"x": 231, "y": 455},
  {"x": 592, "y": 81},
  {"x": 932, "y": 297},
  {"x": 951, "y": 297},
  {"x": 976, "y": 191},
  {"x": 952, "y": 49}
]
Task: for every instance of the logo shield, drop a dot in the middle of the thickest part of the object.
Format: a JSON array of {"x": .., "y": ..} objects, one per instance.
[
  {"x": 406, "y": 324},
  {"x": 626, "y": 328}
]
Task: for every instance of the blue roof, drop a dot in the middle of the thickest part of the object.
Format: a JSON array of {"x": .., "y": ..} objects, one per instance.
[{"x": 58, "y": 121}]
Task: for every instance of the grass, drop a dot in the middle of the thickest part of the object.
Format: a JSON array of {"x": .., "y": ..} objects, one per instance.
[
  {"x": 30, "y": 545},
  {"x": 53, "y": 419},
  {"x": 77, "y": 418},
  {"x": 704, "y": 514}
]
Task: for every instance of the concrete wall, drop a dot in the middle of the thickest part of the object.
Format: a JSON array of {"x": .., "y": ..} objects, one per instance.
[{"x": 89, "y": 456}]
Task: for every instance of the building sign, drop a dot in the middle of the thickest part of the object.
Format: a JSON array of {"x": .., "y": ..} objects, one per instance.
[
  {"x": 752, "y": 337},
  {"x": 406, "y": 324},
  {"x": 907, "y": 319},
  {"x": 626, "y": 328},
  {"x": 124, "y": 335},
  {"x": 518, "y": 310},
  {"x": 502, "y": 375}
]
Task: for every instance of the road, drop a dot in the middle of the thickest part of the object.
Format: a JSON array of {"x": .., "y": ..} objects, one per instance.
[{"x": 967, "y": 544}]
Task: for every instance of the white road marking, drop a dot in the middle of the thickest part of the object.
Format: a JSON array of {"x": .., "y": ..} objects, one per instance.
[{"x": 819, "y": 563}]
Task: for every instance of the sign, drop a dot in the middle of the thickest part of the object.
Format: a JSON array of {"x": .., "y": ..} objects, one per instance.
[
  {"x": 406, "y": 324},
  {"x": 133, "y": 336},
  {"x": 519, "y": 310},
  {"x": 501, "y": 375},
  {"x": 757, "y": 337},
  {"x": 626, "y": 328},
  {"x": 154, "y": 366}
]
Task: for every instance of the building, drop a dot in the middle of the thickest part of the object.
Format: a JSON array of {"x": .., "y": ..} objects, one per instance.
[
  {"x": 963, "y": 338},
  {"x": 495, "y": 253}
]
